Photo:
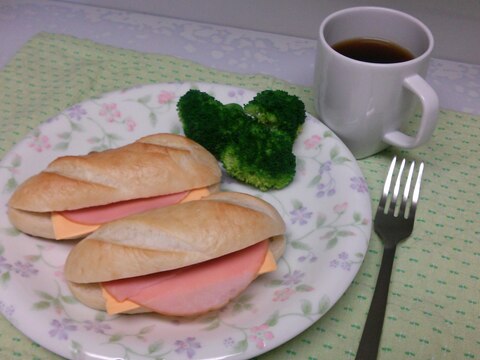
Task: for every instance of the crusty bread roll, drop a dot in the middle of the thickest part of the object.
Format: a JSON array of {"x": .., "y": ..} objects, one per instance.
[
  {"x": 154, "y": 165},
  {"x": 171, "y": 238}
]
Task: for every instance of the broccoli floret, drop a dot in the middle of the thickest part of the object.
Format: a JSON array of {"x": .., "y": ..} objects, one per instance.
[
  {"x": 202, "y": 119},
  {"x": 261, "y": 157},
  {"x": 234, "y": 119},
  {"x": 278, "y": 109},
  {"x": 251, "y": 149}
]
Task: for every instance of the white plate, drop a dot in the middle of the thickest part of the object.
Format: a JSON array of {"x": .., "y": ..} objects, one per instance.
[{"x": 326, "y": 209}]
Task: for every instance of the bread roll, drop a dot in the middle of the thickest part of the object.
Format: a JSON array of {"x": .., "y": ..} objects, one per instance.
[
  {"x": 171, "y": 238},
  {"x": 154, "y": 165}
]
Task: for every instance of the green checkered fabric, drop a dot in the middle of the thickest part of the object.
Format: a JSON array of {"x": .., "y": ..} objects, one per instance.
[{"x": 433, "y": 308}]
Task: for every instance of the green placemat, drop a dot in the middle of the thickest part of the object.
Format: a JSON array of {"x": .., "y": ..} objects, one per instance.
[{"x": 433, "y": 309}]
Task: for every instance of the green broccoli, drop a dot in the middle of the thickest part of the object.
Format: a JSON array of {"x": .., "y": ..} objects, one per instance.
[
  {"x": 278, "y": 109},
  {"x": 261, "y": 157},
  {"x": 252, "y": 150},
  {"x": 202, "y": 119}
]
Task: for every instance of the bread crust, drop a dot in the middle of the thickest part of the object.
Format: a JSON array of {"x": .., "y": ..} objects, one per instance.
[
  {"x": 40, "y": 224},
  {"x": 171, "y": 238},
  {"x": 32, "y": 223},
  {"x": 154, "y": 165},
  {"x": 90, "y": 294}
]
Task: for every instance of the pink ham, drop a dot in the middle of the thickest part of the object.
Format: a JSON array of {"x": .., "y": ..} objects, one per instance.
[
  {"x": 122, "y": 289},
  {"x": 194, "y": 289},
  {"x": 106, "y": 213}
]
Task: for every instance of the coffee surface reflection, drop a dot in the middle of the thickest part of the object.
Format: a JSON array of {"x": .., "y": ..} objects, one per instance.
[{"x": 372, "y": 50}]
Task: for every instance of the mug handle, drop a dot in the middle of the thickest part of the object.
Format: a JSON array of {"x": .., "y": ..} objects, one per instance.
[{"x": 430, "y": 109}]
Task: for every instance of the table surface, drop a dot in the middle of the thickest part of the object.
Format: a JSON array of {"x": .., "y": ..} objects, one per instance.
[{"x": 222, "y": 48}]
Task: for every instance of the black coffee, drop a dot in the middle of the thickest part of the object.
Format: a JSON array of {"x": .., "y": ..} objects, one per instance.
[{"x": 373, "y": 50}]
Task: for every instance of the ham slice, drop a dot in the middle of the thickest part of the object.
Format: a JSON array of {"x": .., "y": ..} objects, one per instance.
[
  {"x": 105, "y": 213},
  {"x": 195, "y": 289},
  {"x": 122, "y": 289}
]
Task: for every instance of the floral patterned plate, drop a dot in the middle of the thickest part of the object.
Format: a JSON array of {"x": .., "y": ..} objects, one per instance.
[{"x": 326, "y": 208}]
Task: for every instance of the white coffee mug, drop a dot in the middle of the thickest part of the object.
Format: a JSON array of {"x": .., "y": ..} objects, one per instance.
[{"x": 367, "y": 104}]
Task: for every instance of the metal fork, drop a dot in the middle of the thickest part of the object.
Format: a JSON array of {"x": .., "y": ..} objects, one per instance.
[{"x": 393, "y": 223}]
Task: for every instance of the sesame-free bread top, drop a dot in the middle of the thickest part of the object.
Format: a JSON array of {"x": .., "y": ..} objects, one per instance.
[
  {"x": 175, "y": 236},
  {"x": 154, "y": 165}
]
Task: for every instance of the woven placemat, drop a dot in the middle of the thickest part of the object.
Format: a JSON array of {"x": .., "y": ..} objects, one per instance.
[{"x": 433, "y": 309}]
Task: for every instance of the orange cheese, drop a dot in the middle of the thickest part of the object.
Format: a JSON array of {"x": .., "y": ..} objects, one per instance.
[
  {"x": 66, "y": 229},
  {"x": 269, "y": 264},
  {"x": 116, "y": 307},
  {"x": 196, "y": 194}
]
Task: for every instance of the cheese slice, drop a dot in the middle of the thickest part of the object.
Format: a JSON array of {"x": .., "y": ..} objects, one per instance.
[
  {"x": 116, "y": 307},
  {"x": 66, "y": 229},
  {"x": 269, "y": 264},
  {"x": 196, "y": 194}
]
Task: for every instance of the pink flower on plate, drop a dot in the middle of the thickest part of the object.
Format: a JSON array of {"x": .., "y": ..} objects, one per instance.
[
  {"x": 110, "y": 112},
  {"x": 131, "y": 124},
  {"x": 283, "y": 294},
  {"x": 14, "y": 170},
  {"x": 40, "y": 143},
  {"x": 260, "y": 335},
  {"x": 312, "y": 142},
  {"x": 59, "y": 274},
  {"x": 340, "y": 208},
  {"x": 166, "y": 97}
]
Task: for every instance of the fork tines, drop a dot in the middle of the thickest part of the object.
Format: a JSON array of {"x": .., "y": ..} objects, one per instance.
[{"x": 389, "y": 201}]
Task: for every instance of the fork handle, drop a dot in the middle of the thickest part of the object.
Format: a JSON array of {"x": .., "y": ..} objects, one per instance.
[{"x": 368, "y": 348}]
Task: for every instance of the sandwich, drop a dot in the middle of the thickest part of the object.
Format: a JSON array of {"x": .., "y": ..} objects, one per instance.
[
  {"x": 182, "y": 260},
  {"x": 74, "y": 195}
]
